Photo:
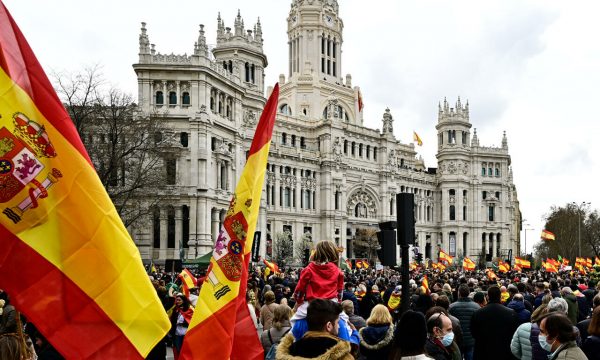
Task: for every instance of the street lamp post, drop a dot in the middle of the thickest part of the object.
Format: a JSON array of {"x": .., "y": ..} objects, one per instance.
[{"x": 579, "y": 206}]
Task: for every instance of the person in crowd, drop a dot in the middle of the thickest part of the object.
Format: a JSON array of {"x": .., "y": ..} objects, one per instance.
[
  {"x": 267, "y": 310},
  {"x": 321, "y": 279},
  {"x": 480, "y": 299},
  {"x": 410, "y": 337},
  {"x": 492, "y": 328},
  {"x": 8, "y": 317},
  {"x": 13, "y": 347},
  {"x": 354, "y": 319},
  {"x": 463, "y": 309},
  {"x": 349, "y": 289},
  {"x": 591, "y": 344},
  {"x": 45, "y": 351},
  {"x": 181, "y": 317},
  {"x": 281, "y": 326},
  {"x": 376, "y": 338},
  {"x": 321, "y": 340},
  {"x": 584, "y": 324},
  {"x": 571, "y": 299},
  {"x": 251, "y": 309},
  {"x": 518, "y": 305},
  {"x": 440, "y": 338},
  {"x": 525, "y": 342},
  {"x": 558, "y": 338},
  {"x": 540, "y": 290},
  {"x": 442, "y": 305},
  {"x": 368, "y": 302}
]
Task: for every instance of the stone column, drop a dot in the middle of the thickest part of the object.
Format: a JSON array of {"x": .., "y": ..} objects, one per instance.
[
  {"x": 178, "y": 230},
  {"x": 163, "y": 234},
  {"x": 192, "y": 243},
  {"x": 214, "y": 225},
  {"x": 487, "y": 244}
]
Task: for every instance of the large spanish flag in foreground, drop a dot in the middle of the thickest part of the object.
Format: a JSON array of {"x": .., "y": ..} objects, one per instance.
[
  {"x": 67, "y": 261},
  {"x": 221, "y": 327}
]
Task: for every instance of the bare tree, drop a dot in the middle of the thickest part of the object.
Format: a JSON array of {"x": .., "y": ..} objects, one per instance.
[
  {"x": 283, "y": 252},
  {"x": 124, "y": 145},
  {"x": 301, "y": 246},
  {"x": 365, "y": 244}
]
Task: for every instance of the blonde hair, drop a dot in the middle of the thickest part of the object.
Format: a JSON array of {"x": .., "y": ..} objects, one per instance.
[
  {"x": 281, "y": 314},
  {"x": 380, "y": 315},
  {"x": 326, "y": 251}
]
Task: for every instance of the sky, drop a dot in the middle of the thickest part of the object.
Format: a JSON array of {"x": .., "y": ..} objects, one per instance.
[{"x": 530, "y": 68}]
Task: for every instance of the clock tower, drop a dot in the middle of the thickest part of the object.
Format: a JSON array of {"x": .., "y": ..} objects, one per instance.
[{"x": 315, "y": 39}]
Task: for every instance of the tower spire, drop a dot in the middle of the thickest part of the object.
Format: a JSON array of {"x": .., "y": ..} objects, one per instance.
[{"x": 144, "y": 40}]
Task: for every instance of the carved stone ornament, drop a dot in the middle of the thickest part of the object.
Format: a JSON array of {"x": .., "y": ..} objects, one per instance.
[
  {"x": 185, "y": 86},
  {"x": 288, "y": 180},
  {"x": 270, "y": 177},
  {"x": 249, "y": 118},
  {"x": 363, "y": 202},
  {"x": 452, "y": 168},
  {"x": 337, "y": 150},
  {"x": 171, "y": 86}
]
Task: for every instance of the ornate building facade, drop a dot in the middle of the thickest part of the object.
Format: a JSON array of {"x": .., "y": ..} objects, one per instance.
[{"x": 328, "y": 175}]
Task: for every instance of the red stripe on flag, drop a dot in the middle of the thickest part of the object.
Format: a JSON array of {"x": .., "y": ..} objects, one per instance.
[
  {"x": 264, "y": 129},
  {"x": 19, "y": 62},
  {"x": 66, "y": 315}
]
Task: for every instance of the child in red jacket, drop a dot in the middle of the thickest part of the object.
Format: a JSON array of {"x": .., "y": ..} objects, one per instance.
[{"x": 321, "y": 279}]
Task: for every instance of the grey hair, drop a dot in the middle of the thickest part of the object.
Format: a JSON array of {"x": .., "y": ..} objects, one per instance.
[{"x": 559, "y": 305}]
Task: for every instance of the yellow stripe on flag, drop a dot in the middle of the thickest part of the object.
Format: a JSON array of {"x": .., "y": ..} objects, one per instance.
[{"x": 82, "y": 244}]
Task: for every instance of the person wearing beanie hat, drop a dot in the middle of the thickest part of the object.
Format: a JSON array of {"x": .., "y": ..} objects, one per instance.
[{"x": 410, "y": 337}]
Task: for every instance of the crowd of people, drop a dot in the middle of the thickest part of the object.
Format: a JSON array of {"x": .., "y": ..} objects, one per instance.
[{"x": 321, "y": 312}]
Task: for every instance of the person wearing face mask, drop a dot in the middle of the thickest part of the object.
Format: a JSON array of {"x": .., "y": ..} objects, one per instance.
[
  {"x": 558, "y": 338},
  {"x": 440, "y": 338}
]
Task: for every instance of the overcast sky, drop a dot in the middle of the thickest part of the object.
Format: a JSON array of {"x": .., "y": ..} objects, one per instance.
[{"x": 530, "y": 68}]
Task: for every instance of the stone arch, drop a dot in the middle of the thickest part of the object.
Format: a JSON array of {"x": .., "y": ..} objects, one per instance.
[{"x": 363, "y": 202}]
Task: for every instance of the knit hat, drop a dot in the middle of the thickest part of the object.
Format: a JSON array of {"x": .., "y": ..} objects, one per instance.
[{"x": 411, "y": 332}]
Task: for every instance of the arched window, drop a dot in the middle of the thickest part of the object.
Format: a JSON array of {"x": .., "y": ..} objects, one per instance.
[
  {"x": 230, "y": 66},
  {"x": 283, "y": 138},
  {"x": 353, "y": 148},
  {"x": 252, "y": 70},
  {"x": 159, "y": 98},
  {"x": 452, "y": 213},
  {"x": 490, "y": 173},
  {"x": 368, "y": 151},
  {"x": 185, "y": 98},
  {"x": 285, "y": 109},
  {"x": 156, "y": 227},
  {"x": 375, "y": 153},
  {"x": 213, "y": 100},
  {"x": 172, "y": 98},
  {"x": 497, "y": 171},
  {"x": 293, "y": 141},
  {"x": 185, "y": 228},
  {"x": 346, "y": 147},
  {"x": 184, "y": 139},
  {"x": 247, "y": 71},
  {"x": 360, "y": 150}
]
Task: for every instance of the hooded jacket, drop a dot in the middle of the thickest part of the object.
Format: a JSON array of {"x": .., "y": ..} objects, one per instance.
[
  {"x": 519, "y": 307},
  {"x": 319, "y": 281},
  {"x": 314, "y": 345},
  {"x": 376, "y": 341}
]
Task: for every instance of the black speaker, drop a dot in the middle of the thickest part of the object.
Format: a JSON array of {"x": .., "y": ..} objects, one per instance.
[
  {"x": 387, "y": 244},
  {"x": 405, "y": 210},
  {"x": 387, "y": 225},
  {"x": 256, "y": 247}
]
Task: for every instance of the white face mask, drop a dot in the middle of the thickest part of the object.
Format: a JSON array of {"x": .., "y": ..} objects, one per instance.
[{"x": 544, "y": 343}]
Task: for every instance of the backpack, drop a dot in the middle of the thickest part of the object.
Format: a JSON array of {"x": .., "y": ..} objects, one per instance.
[{"x": 273, "y": 349}]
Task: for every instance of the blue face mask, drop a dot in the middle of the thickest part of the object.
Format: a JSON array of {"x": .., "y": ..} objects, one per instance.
[
  {"x": 447, "y": 339},
  {"x": 544, "y": 343}
]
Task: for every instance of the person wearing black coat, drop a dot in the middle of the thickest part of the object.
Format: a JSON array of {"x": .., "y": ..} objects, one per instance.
[
  {"x": 368, "y": 302},
  {"x": 348, "y": 294},
  {"x": 492, "y": 328},
  {"x": 591, "y": 345}
]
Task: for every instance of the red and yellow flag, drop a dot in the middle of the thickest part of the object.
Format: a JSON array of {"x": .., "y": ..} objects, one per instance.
[
  {"x": 468, "y": 264},
  {"x": 549, "y": 267},
  {"x": 417, "y": 139},
  {"x": 348, "y": 263},
  {"x": 271, "y": 266},
  {"x": 588, "y": 262},
  {"x": 597, "y": 261},
  {"x": 522, "y": 263},
  {"x": 425, "y": 284},
  {"x": 445, "y": 257},
  {"x": 365, "y": 263},
  {"x": 67, "y": 261},
  {"x": 491, "y": 274},
  {"x": 188, "y": 281},
  {"x": 222, "y": 327},
  {"x": 547, "y": 235},
  {"x": 503, "y": 267},
  {"x": 359, "y": 264}
]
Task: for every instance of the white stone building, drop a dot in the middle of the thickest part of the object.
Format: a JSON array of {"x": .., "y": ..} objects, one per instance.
[{"x": 327, "y": 174}]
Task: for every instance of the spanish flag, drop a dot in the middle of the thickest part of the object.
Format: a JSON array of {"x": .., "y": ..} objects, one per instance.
[
  {"x": 588, "y": 262},
  {"x": 503, "y": 267},
  {"x": 522, "y": 263},
  {"x": 547, "y": 235},
  {"x": 417, "y": 139},
  {"x": 365, "y": 263},
  {"x": 67, "y": 261},
  {"x": 358, "y": 264},
  {"x": 425, "y": 284},
  {"x": 445, "y": 257},
  {"x": 271, "y": 266},
  {"x": 549, "y": 267},
  {"x": 188, "y": 281},
  {"x": 222, "y": 327},
  {"x": 468, "y": 264},
  {"x": 597, "y": 261}
]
